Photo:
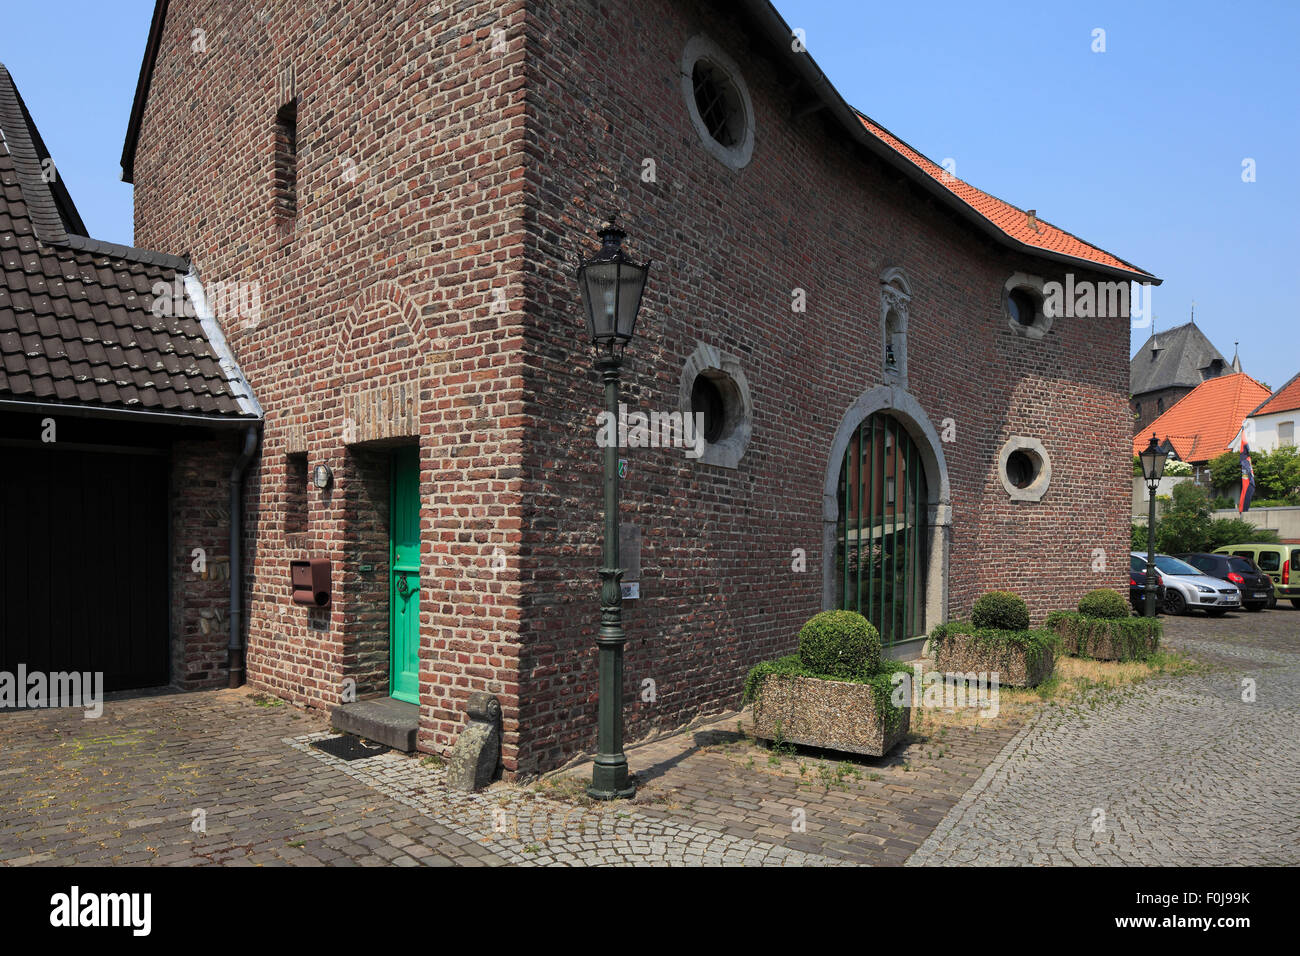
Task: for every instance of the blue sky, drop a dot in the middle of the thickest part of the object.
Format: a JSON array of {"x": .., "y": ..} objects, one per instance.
[{"x": 1138, "y": 149}]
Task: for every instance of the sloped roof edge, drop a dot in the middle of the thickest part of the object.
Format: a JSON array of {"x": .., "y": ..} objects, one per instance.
[
  {"x": 54, "y": 215},
  {"x": 142, "y": 90},
  {"x": 1277, "y": 396}
]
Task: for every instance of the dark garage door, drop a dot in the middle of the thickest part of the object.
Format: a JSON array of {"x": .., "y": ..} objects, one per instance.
[{"x": 83, "y": 563}]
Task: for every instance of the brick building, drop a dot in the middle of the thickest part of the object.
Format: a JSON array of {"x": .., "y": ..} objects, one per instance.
[{"x": 410, "y": 185}]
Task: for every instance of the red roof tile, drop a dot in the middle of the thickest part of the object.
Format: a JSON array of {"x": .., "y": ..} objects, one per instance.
[
  {"x": 1203, "y": 423},
  {"x": 1011, "y": 220},
  {"x": 1285, "y": 399}
]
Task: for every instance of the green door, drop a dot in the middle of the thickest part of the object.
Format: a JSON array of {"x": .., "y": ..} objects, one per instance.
[{"x": 404, "y": 578}]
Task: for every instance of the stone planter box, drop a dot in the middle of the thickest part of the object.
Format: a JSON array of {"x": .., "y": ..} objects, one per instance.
[
  {"x": 1103, "y": 639},
  {"x": 835, "y": 715},
  {"x": 965, "y": 653}
]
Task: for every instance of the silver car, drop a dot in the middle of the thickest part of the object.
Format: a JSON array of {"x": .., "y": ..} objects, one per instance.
[{"x": 1187, "y": 587}]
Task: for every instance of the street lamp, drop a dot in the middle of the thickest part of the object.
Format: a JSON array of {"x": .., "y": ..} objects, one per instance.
[
  {"x": 611, "y": 285},
  {"x": 1153, "y": 469}
]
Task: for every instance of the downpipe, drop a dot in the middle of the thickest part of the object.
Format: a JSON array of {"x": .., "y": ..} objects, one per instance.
[{"x": 235, "y": 649}]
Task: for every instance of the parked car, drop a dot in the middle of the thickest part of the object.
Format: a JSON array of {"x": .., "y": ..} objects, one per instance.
[
  {"x": 1256, "y": 587},
  {"x": 1188, "y": 588},
  {"x": 1281, "y": 562},
  {"x": 1137, "y": 588}
]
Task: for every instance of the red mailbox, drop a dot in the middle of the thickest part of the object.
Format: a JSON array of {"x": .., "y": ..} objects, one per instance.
[{"x": 311, "y": 582}]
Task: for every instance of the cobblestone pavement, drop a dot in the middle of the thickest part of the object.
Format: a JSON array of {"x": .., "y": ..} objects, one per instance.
[
  {"x": 1177, "y": 771},
  {"x": 130, "y": 787},
  {"x": 1181, "y": 768}
]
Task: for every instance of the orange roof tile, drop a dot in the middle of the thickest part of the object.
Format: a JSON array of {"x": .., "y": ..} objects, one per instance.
[
  {"x": 1204, "y": 422},
  {"x": 1011, "y": 220},
  {"x": 1284, "y": 399}
]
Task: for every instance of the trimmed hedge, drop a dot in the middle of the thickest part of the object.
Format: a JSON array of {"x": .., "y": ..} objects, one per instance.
[
  {"x": 1035, "y": 643},
  {"x": 1000, "y": 610},
  {"x": 1120, "y": 639},
  {"x": 843, "y": 644},
  {"x": 1103, "y": 603}
]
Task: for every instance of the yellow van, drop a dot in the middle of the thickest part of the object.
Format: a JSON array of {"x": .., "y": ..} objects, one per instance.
[{"x": 1281, "y": 562}]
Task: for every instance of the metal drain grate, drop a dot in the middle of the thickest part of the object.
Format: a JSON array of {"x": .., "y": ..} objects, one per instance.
[{"x": 350, "y": 747}]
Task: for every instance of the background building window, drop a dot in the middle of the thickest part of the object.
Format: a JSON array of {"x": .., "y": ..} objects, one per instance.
[{"x": 1286, "y": 433}]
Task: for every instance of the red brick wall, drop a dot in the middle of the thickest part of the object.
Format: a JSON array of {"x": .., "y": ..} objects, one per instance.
[
  {"x": 200, "y": 599},
  {"x": 808, "y": 212},
  {"x": 429, "y": 180},
  {"x": 402, "y": 268}
]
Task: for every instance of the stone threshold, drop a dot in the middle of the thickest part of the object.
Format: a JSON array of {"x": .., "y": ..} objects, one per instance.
[{"x": 391, "y": 722}]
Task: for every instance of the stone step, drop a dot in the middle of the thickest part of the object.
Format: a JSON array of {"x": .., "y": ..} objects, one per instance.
[{"x": 383, "y": 719}]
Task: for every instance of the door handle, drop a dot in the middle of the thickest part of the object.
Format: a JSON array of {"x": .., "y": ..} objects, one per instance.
[{"x": 403, "y": 586}]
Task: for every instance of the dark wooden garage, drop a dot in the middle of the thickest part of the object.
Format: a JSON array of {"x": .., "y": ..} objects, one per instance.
[{"x": 83, "y": 563}]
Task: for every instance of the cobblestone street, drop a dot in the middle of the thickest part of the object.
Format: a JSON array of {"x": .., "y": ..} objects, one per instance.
[{"x": 1177, "y": 770}]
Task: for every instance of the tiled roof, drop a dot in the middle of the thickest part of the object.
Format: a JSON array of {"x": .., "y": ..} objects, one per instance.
[
  {"x": 1011, "y": 220},
  {"x": 1203, "y": 423},
  {"x": 1183, "y": 352},
  {"x": 76, "y": 315},
  {"x": 1285, "y": 399}
]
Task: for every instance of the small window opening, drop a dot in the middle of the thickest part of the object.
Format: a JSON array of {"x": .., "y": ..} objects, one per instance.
[
  {"x": 286, "y": 161},
  {"x": 295, "y": 493}
]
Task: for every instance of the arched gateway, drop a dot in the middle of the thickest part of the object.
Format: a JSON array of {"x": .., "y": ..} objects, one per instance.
[{"x": 886, "y": 519}]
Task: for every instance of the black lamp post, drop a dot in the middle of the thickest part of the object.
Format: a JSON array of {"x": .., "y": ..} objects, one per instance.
[
  {"x": 1153, "y": 469},
  {"x": 611, "y": 285}
]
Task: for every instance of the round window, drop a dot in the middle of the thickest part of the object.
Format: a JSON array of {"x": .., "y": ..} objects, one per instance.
[
  {"x": 1022, "y": 307},
  {"x": 719, "y": 104},
  {"x": 1022, "y": 468},
  {"x": 706, "y": 400}
]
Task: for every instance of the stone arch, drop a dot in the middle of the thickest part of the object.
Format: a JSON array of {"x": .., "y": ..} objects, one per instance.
[
  {"x": 907, "y": 410},
  {"x": 382, "y": 298}
]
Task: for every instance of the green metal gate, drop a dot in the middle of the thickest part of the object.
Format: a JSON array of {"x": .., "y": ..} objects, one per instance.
[{"x": 882, "y": 541}]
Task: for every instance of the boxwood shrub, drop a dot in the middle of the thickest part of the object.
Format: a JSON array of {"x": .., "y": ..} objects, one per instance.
[
  {"x": 843, "y": 644},
  {"x": 1000, "y": 610},
  {"x": 1103, "y": 603}
]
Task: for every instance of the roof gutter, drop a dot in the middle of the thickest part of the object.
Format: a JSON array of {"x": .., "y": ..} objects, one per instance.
[
  {"x": 139, "y": 416},
  {"x": 779, "y": 34}
]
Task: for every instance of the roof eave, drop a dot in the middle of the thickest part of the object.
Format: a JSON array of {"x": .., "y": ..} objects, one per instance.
[
  {"x": 779, "y": 33},
  {"x": 142, "y": 90}
]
